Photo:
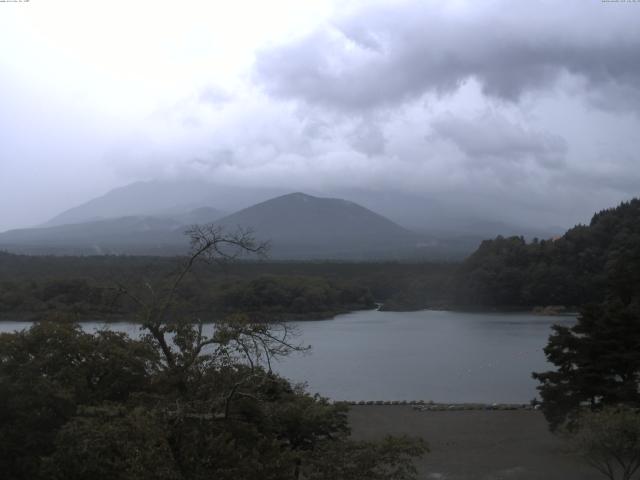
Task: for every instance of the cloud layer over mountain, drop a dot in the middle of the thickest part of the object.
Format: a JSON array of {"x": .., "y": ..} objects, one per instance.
[{"x": 524, "y": 111}]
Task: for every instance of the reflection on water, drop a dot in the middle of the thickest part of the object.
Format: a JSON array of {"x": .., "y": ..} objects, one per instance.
[{"x": 426, "y": 355}]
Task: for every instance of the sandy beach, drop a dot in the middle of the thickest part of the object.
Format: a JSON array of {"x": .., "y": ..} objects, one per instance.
[{"x": 476, "y": 444}]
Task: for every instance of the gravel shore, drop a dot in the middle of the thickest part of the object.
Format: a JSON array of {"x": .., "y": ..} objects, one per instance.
[{"x": 476, "y": 444}]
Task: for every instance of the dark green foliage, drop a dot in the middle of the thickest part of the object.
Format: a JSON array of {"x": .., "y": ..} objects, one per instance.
[
  {"x": 75, "y": 405},
  {"x": 598, "y": 359},
  {"x": 572, "y": 270},
  {"x": 33, "y": 287},
  {"x": 47, "y": 372},
  {"x": 598, "y": 362},
  {"x": 181, "y": 403},
  {"x": 111, "y": 442},
  {"x": 271, "y": 295}
]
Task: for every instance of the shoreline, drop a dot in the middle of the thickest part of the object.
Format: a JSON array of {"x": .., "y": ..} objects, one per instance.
[
  {"x": 430, "y": 406},
  {"x": 315, "y": 316}
]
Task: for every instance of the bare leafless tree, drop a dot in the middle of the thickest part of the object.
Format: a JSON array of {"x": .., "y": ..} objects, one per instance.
[{"x": 183, "y": 343}]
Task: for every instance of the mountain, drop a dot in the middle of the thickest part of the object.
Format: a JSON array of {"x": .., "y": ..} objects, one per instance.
[
  {"x": 162, "y": 198},
  {"x": 196, "y": 216},
  {"x": 298, "y": 225},
  {"x": 440, "y": 231},
  {"x": 448, "y": 230},
  {"x": 423, "y": 212},
  {"x": 136, "y": 199},
  {"x": 133, "y": 234}
]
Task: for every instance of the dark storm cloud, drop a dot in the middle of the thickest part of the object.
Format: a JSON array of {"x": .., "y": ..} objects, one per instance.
[
  {"x": 387, "y": 54},
  {"x": 492, "y": 136}
]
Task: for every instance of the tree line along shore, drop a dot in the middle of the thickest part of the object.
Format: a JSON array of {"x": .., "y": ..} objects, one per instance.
[{"x": 504, "y": 273}]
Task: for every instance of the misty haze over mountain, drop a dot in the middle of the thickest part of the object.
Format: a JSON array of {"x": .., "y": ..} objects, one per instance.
[
  {"x": 434, "y": 114},
  {"x": 169, "y": 198},
  {"x": 297, "y": 226},
  {"x": 151, "y": 218}
]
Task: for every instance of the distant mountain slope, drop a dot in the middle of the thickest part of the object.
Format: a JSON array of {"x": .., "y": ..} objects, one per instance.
[
  {"x": 134, "y": 234},
  {"x": 196, "y": 216},
  {"x": 448, "y": 231},
  {"x": 162, "y": 198},
  {"x": 297, "y": 225},
  {"x": 300, "y": 225},
  {"x": 140, "y": 198}
]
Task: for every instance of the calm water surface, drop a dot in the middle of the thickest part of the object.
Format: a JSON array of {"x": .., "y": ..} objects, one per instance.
[{"x": 425, "y": 355}]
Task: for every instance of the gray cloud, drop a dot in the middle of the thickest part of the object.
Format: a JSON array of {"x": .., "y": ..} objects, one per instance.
[
  {"x": 522, "y": 111},
  {"x": 387, "y": 54},
  {"x": 368, "y": 138},
  {"x": 491, "y": 137}
]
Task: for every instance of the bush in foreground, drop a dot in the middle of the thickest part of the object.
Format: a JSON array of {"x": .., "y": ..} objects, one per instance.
[{"x": 180, "y": 403}]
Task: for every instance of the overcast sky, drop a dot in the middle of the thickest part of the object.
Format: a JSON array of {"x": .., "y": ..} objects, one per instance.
[{"x": 528, "y": 108}]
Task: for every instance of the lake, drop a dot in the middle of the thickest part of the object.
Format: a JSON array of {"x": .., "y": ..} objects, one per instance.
[{"x": 442, "y": 356}]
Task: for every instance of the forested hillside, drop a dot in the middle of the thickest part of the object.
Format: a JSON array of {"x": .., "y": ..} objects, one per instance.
[
  {"x": 84, "y": 287},
  {"x": 578, "y": 268}
]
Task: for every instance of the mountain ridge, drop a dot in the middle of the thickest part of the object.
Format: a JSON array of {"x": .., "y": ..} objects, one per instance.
[
  {"x": 161, "y": 198},
  {"x": 297, "y": 225},
  {"x": 444, "y": 234},
  {"x": 299, "y": 222}
]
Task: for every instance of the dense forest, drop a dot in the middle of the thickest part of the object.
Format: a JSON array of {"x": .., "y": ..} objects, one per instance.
[
  {"x": 597, "y": 359},
  {"x": 42, "y": 287},
  {"x": 572, "y": 270}
]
